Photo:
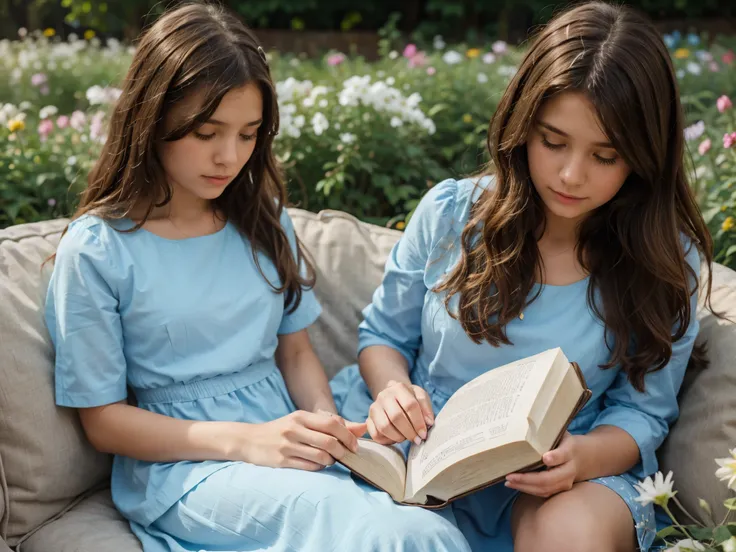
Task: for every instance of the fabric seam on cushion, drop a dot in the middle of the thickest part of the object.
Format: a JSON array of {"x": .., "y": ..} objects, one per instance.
[{"x": 74, "y": 502}]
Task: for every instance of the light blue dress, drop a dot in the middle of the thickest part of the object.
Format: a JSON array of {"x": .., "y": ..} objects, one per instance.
[
  {"x": 413, "y": 320},
  {"x": 191, "y": 327}
]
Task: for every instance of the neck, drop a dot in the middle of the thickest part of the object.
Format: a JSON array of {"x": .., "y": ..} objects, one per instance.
[
  {"x": 560, "y": 230},
  {"x": 185, "y": 207}
]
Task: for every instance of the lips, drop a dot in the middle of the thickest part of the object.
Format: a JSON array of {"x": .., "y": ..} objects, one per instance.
[{"x": 567, "y": 196}]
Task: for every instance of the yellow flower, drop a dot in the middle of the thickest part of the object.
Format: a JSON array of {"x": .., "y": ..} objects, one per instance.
[
  {"x": 49, "y": 32},
  {"x": 400, "y": 225},
  {"x": 467, "y": 118},
  {"x": 15, "y": 125},
  {"x": 89, "y": 34},
  {"x": 723, "y": 208},
  {"x": 727, "y": 224},
  {"x": 473, "y": 53},
  {"x": 36, "y": 159},
  {"x": 682, "y": 53}
]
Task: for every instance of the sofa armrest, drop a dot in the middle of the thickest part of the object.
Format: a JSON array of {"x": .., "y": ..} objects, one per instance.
[{"x": 4, "y": 547}]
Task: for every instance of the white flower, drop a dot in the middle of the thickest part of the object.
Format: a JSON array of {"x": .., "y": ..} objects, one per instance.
[
  {"x": 48, "y": 111},
  {"x": 694, "y": 68},
  {"x": 438, "y": 43},
  {"x": 729, "y": 545},
  {"x": 499, "y": 47},
  {"x": 482, "y": 78},
  {"x": 694, "y": 131},
  {"x": 658, "y": 491},
  {"x": 686, "y": 545},
  {"x": 390, "y": 81},
  {"x": 451, "y": 57},
  {"x": 25, "y": 105},
  {"x": 71, "y": 161},
  {"x": 489, "y": 58},
  {"x": 393, "y": 54},
  {"x": 727, "y": 470},
  {"x": 294, "y": 62},
  {"x": 299, "y": 121},
  {"x": 680, "y": 74},
  {"x": 396, "y": 122},
  {"x": 96, "y": 95},
  {"x": 319, "y": 123},
  {"x": 507, "y": 70},
  {"x": 347, "y": 138},
  {"x": 308, "y": 102},
  {"x": 323, "y": 103}
]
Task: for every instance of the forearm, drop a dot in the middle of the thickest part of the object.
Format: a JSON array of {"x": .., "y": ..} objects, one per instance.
[
  {"x": 380, "y": 364},
  {"x": 607, "y": 450},
  {"x": 131, "y": 431},
  {"x": 307, "y": 382}
]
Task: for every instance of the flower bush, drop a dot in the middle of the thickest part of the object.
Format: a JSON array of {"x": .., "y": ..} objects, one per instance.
[
  {"x": 367, "y": 138},
  {"x": 717, "y": 536}
]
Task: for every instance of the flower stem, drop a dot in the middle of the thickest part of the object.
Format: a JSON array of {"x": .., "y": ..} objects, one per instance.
[
  {"x": 677, "y": 523},
  {"x": 688, "y": 514}
]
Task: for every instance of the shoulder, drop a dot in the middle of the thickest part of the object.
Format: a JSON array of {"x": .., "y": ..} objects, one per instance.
[
  {"x": 90, "y": 238},
  {"x": 446, "y": 207}
]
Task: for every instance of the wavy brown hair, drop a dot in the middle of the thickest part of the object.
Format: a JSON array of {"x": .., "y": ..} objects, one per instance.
[
  {"x": 196, "y": 48},
  {"x": 632, "y": 246}
]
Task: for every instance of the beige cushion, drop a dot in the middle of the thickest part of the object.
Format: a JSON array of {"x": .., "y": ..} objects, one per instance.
[
  {"x": 93, "y": 525},
  {"x": 349, "y": 256},
  {"x": 706, "y": 428},
  {"x": 46, "y": 459},
  {"x": 4, "y": 547}
]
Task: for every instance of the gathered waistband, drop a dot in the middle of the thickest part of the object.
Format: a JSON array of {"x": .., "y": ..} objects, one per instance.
[{"x": 206, "y": 388}]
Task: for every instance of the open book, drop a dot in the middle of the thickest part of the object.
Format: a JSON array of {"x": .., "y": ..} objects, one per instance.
[{"x": 499, "y": 423}]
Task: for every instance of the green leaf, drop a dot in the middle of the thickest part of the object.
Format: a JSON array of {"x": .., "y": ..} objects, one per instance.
[
  {"x": 731, "y": 502},
  {"x": 669, "y": 532}
]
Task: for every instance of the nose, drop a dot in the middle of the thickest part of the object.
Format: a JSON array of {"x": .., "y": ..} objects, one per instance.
[
  {"x": 572, "y": 173},
  {"x": 227, "y": 152}
]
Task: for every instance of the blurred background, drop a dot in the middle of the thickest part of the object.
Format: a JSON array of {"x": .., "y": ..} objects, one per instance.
[{"x": 378, "y": 101}]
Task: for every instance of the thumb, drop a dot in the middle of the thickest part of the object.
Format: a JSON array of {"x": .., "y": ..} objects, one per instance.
[{"x": 356, "y": 428}]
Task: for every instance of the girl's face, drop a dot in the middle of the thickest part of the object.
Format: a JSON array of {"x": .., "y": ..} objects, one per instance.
[
  {"x": 203, "y": 163},
  {"x": 572, "y": 164}
]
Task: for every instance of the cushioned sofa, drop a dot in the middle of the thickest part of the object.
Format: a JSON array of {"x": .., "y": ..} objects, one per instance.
[{"x": 53, "y": 485}]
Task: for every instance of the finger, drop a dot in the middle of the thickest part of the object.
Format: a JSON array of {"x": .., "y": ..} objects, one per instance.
[
  {"x": 400, "y": 420},
  {"x": 312, "y": 454},
  {"x": 413, "y": 410},
  {"x": 532, "y": 490},
  {"x": 301, "y": 464},
  {"x": 356, "y": 428},
  {"x": 556, "y": 457},
  {"x": 426, "y": 404},
  {"x": 332, "y": 426},
  {"x": 547, "y": 478},
  {"x": 384, "y": 426}
]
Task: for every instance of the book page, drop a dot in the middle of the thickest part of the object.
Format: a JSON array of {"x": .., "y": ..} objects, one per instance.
[
  {"x": 381, "y": 465},
  {"x": 481, "y": 415}
]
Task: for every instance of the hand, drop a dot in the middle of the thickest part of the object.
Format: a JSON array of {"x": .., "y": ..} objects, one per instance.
[
  {"x": 303, "y": 440},
  {"x": 401, "y": 411},
  {"x": 561, "y": 473}
]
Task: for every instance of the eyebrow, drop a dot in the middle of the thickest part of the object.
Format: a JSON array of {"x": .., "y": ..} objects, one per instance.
[
  {"x": 222, "y": 123},
  {"x": 566, "y": 135}
]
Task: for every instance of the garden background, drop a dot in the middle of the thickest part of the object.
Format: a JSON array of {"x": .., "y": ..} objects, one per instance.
[{"x": 377, "y": 105}]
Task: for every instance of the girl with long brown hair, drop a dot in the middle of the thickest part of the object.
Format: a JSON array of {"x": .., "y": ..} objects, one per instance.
[
  {"x": 585, "y": 236},
  {"x": 181, "y": 279}
]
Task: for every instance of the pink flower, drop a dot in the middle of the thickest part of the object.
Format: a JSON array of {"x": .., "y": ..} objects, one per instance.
[
  {"x": 44, "y": 90},
  {"x": 335, "y": 59},
  {"x": 418, "y": 60},
  {"x": 713, "y": 66},
  {"x": 724, "y": 103},
  {"x": 38, "y": 79},
  {"x": 96, "y": 127},
  {"x": 704, "y": 146},
  {"x": 729, "y": 57},
  {"x": 62, "y": 122},
  {"x": 729, "y": 139},
  {"x": 499, "y": 47},
  {"x": 78, "y": 120},
  {"x": 410, "y": 51},
  {"x": 431, "y": 71},
  {"x": 45, "y": 128}
]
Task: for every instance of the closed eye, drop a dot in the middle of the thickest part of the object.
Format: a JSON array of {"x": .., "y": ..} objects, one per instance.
[{"x": 547, "y": 144}]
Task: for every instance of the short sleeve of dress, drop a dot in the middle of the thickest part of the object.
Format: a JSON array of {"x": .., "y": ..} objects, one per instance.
[
  {"x": 309, "y": 308},
  {"x": 82, "y": 316}
]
